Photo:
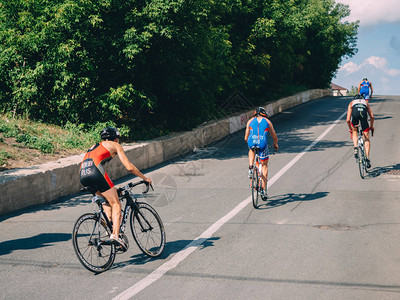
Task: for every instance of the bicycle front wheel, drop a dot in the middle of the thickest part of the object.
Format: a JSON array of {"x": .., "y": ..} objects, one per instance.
[
  {"x": 255, "y": 188},
  {"x": 90, "y": 239},
  {"x": 361, "y": 162},
  {"x": 148, "y": 229}
]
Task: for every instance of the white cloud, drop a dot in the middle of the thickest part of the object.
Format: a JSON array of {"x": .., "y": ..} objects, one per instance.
[
  {"x": 393, "y": 72},
  {"x": 379, "y": 63},
  {"x": 371, "y": 12},
  {"x": 350, "y": 67}
]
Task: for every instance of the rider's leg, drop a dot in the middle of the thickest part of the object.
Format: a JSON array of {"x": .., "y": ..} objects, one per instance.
[
  {"x": 251, "y": 157},
  {"x": 106, "y": 206},
  {"x": 355, "y": 142},
  {"x": 251, "y": 161},
  {"x": 367, "y": 142},
  {"x": 264, "y": 172},
  {"x": 107, "y": 210},
  {"x": 354, "y": 136},
  {"x": 112, "y": 197}
]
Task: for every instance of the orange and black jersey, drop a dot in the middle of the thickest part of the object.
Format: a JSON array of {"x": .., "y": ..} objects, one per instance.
[
  {"x": 98, "y": 154},
  {"x": 92, "y": 173}
]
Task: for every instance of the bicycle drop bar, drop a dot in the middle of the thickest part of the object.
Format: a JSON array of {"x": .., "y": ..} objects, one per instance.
[{"x": 132, "y": 185}]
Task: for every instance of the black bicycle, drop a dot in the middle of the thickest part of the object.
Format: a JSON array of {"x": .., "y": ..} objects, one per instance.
[
  {"x": 361, "y": 156},
  {"x": 91, "y": 233},
  {"x": 256, "y": 180}
]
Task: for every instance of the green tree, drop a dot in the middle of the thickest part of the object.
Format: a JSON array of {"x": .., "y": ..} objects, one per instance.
[
  {"x": 155, "y": 66},
  {"x": 353, "y": 91},
  {"x": 329, "y": 40}
]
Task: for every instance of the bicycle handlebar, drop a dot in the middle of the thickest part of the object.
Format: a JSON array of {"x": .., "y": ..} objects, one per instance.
[
  {"x": 273, "y": 148},
  {"x": 132, "y": 185},
  {"x": 256, "y": 149},
  {"x": 124, "y": 188}
]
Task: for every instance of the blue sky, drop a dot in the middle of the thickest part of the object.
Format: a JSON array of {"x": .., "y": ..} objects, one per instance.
[{"x": 378, "y": 56}]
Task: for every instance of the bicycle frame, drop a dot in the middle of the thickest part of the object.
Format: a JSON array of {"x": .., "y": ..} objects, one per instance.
[
  {"x": 129, "y": 205},
  {"x": 91, "y": 234},
  {"x": 361, "y": 152},
  {"x": 257, "y": 161},
  {"x": 360, "y": 138}
]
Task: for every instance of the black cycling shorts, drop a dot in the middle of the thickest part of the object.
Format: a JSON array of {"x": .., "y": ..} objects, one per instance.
[
  {"x": 359, "y": 114},
  {"x": 93, "y": 177}
]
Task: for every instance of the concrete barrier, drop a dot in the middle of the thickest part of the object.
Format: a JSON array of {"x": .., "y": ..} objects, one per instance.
[{"x": 21, "y": 188}]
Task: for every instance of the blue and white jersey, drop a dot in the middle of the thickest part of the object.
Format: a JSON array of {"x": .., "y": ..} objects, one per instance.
[
  {"x": 364, "y": 87},
  {"x": 258, "y": 134}
]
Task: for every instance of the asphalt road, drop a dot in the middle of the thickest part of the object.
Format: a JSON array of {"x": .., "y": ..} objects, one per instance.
[{"x": 325, "y": 233}]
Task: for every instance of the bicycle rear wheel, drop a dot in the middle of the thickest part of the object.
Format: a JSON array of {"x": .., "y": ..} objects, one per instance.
[
  {"x": 91, "y": 243},
  {"x": 361, "y": 162},
  {"x": 148, "y": 229},
  {"x": 255, "y": 188}
]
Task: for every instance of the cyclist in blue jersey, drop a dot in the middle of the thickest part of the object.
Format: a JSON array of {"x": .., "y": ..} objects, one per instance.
[
  {"x": 257, "y": 130},
  {"x": 364, "y": 87}
]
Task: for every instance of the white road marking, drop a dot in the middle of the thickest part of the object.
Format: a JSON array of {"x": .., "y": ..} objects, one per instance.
[
  {"x": 191, "y": 247},
  {"x": 282, "y": 222}
]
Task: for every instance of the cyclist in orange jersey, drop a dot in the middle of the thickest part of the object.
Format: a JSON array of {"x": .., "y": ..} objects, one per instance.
[{"x": 93, "y": 175}]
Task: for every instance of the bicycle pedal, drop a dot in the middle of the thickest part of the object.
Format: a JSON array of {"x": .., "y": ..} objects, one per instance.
[{"x": 120, "y": 249}]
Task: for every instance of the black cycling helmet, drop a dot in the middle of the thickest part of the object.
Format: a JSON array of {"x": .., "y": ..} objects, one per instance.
[
  {"x": 109, "y": 133},
  {"x": 365, "y": 78},
  {"x": 261, "y": 111}
]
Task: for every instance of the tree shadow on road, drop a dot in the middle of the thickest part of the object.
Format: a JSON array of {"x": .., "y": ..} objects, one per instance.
[
  {"x": 33, "y": 242},
  {"x": 170, "y": 249},
  {"x": 279, "y": 200}
]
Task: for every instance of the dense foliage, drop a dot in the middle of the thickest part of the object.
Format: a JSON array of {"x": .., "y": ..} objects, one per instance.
[{"x": 161, "y": 65}]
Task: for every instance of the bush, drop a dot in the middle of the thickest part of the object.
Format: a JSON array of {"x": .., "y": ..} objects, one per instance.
[
  {"x": 43, "y": 144},
  {"x": 4, "y": 156},
  {"x": 8, "y": 129}
]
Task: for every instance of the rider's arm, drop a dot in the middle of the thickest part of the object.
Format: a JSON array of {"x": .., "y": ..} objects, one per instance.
[
  {"x": 273, "y": 134},
  {"x": 372, "y": 90},
  {"x": 128, "y": 165},
  {"x": 246, "y": 135},
  {"x": 349, "y": 109},
  {"x": 359, "y": 87},
  {"x": 371, "y": 117}
]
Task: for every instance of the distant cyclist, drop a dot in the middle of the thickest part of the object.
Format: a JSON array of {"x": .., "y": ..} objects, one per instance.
[
  {"x": 358, "y": 111},
  {"x": 363, "y": 88},
  {"x": 93, "y": 175},
  {"x": 257, "y": 130}
]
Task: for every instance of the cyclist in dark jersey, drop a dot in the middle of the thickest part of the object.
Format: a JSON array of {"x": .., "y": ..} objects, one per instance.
[
  {"x": 93, "y": 175},
  {"x": 357, "y": 112}
]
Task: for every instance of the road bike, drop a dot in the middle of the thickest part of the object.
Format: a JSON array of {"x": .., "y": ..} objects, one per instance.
[
  {"x": 91, "y": 233},
  {"x": 361, "y": 156},
  {"x": 256, "y": 178}
]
